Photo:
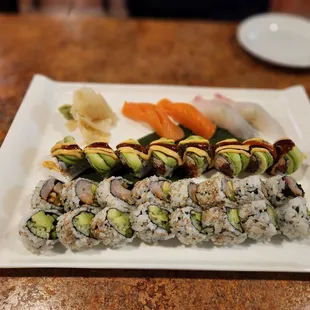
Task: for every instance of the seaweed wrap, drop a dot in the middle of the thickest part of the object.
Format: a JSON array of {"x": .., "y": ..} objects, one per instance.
[
  {"x": 151, "y": 222},
  {"x": 215, "y": 192},
  {"x": 197, "y": 155},
  {"x": 38, "y": 230},
  {"x": 294, "y": 220},
  {"x": 280, "y": 189},
  {"x": 165, "y": 157},
  {"x": 263, "y": 155},
  {"x": 186, "y": 225},
  {"x": 47, "y": 195},
  {"x": 78, "y": 193},
  {"x": 259, "y": 220},
  {"x": 223, "y": 226},
  {"x": 289, "y": 157},
  {"x": 113, "y": 227},
  {"x": 115, "y": 192},
  {"x": 101, "y": 157},
  {"x": 153, "y": 189},
  {"x": 231, "y": 157},
  {"x": 74, "y": 229},
  {"x": 134, "y": 156}
]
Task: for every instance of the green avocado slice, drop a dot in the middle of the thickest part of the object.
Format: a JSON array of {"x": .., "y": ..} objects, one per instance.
[
  {"x": 233, "y": 218},
  {"x": 108, "y": 160},
  {"x": 245, "y": 161},
  {"x": 121, "y": 222},
  {"x": 196, "y": 220},
  {"x": 297, "y": 157},
  {"x": 235, "y": 160},
  {"x": 263, "y": 164},
  {"x": 98, "y": 163},
  {"x": 169, "y": 161},
  {"x": 133, "y": 161},
  {"x": 198, "y": 160},
  {"x": 159, "y": 217}
]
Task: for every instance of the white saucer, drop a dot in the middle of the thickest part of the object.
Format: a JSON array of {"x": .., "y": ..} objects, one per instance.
[{"x": 277, "y": 38}]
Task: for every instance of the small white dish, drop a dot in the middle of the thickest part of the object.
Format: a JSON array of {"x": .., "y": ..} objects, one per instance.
[{"x": 280, "y": 39}]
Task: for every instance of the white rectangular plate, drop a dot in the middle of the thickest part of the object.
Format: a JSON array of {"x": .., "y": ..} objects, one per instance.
[{"x": 38, "y": 125}]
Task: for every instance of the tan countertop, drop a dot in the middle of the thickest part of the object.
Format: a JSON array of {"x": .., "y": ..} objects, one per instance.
[{"x": 100, "y": 50}]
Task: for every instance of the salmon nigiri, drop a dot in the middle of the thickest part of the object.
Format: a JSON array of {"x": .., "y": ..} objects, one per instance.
[
  {"x": 188, "y": 116},
  {"x": 155, "y": 117}
]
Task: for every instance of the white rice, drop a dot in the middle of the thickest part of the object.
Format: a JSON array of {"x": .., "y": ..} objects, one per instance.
[
  {"x": 183, "y": 228},
  {"x": 294, "y": 220},
  {"x": 145, "y": 229}
]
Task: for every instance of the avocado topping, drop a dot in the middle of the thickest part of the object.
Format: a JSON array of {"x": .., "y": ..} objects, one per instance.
[
  {"x": 167, "y": 160},
  {"x": 121, "y": 222},
  {"x": 159, "y": 217},
  {"x": 133, "y": 161}
]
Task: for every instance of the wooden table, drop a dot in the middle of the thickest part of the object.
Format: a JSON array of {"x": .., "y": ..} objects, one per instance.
[{"x": 99, "y": 50}]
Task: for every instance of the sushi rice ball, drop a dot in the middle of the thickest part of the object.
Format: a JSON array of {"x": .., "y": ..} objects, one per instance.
[
  {"x": 113, "y": 227},
  {"x": 294, "y": 219},
  {"x": 151, "y": 222},
  {"x": 259, "y": 220},
  {"x": 186, "y": 225},
  {"x": 153, "y": 189},
  {"x": 47, "y": 195},
  {"x": 78, "y": 193},
  {"x": 115, "y": 192},
  {"x": 74, "y": 228},
  {"x": 38, "y": 230}
]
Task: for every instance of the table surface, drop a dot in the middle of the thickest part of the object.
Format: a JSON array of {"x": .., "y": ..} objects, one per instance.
[{"x": 131, "y": 51}]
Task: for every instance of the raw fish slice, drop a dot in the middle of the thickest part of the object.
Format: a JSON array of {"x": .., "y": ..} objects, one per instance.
[
  {"x": 256, "y": 116},
  {"x": 155, "y": 117},
  {"x": 225, "y": 116},
  {"x": 188, "y": 116}
]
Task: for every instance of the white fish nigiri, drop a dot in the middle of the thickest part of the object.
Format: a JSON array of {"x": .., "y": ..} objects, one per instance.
[
  {"x": 256, "y": 115},
  {"x": 225, "y": 116}
]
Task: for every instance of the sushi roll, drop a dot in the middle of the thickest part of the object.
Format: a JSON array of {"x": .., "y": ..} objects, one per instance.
[
  {"x": 133, "y": 156},
  {"x": 294, "y": 219},
  {"x": 151, "y": 222},
  {"x": 38, "y": 230},
  {"x": 74, "y": 229},
  {"x": 223, "y": 226},
  {"x": 186, "y": 225},
  {"x": 46, "y": 195},
  {"x": 115, "y": 192},
  {"x": 68, "y": 158},
  {"x": 153, "y": 189},
  {"x": 165, "y": 157},
  {"x": 101, "y": 157},
  {"x": 263, "y": 155},
  {"x": 259, "y": 220},
  {"x": 231, "y": 157},
  {"x": 112, "y": 226},
  {"x": 280, "y": 189},
  {"x": 248, "y": 189},
  {"x": 289, "y": 157},
  {"x": 183, "y": 194},
  {"x": 197, "y": 154},
  {"x": 78, "y": 193},
  {"x": 215, "y": 192}
]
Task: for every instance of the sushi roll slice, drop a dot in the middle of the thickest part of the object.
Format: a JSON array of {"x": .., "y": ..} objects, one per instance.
[
  {"x": 112, "y": 226},
  {"x": 101, "y": 157},
  {"x": 197, "y": 154},
  {"x": 74, "y": 229},
  {"x": 248, "y": 189},
  {"x": 280, "y": 189},
  {"x": 134, "y": 156},
  {"x": 68, "y": 159},
  {"x": 38, "y": 230},
  {"x": 78, "y": 193},
  {"x": 215, "y": 192},
  {"x": 115, "y": 192},
  {"x": 223, "y": 226},
  {"x": 153, "y": 189},
  {"x": 289, "y": 157},
  {"x": 186, "y": 225},
  {"x": 151, "y": 222},
  {"x": 46, "y": 195},
  {"x": 165, "y": 157},
  {"x": 183, "y": 194},
  {"x": 231, "y": 157},
  {"x": 263, "y": 155},
  {"x": 259, "y": 220},
  {"x": 294, "y": 219}
]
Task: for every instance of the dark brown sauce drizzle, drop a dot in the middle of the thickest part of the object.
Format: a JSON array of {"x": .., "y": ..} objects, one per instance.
[
  {"x": 202, "y": 146},
  {"x": 269, "y": 147},
  {"x": 282, "y": 147},
  {"x": 99, "y": 145},
  {"x": 172, "y": 147},
  {"x": 137, "y": 147},
  {"x": 70, "y": 147}
]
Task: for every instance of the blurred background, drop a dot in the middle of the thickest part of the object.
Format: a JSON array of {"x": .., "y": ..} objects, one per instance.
[{"x": 185, "y": 9}]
